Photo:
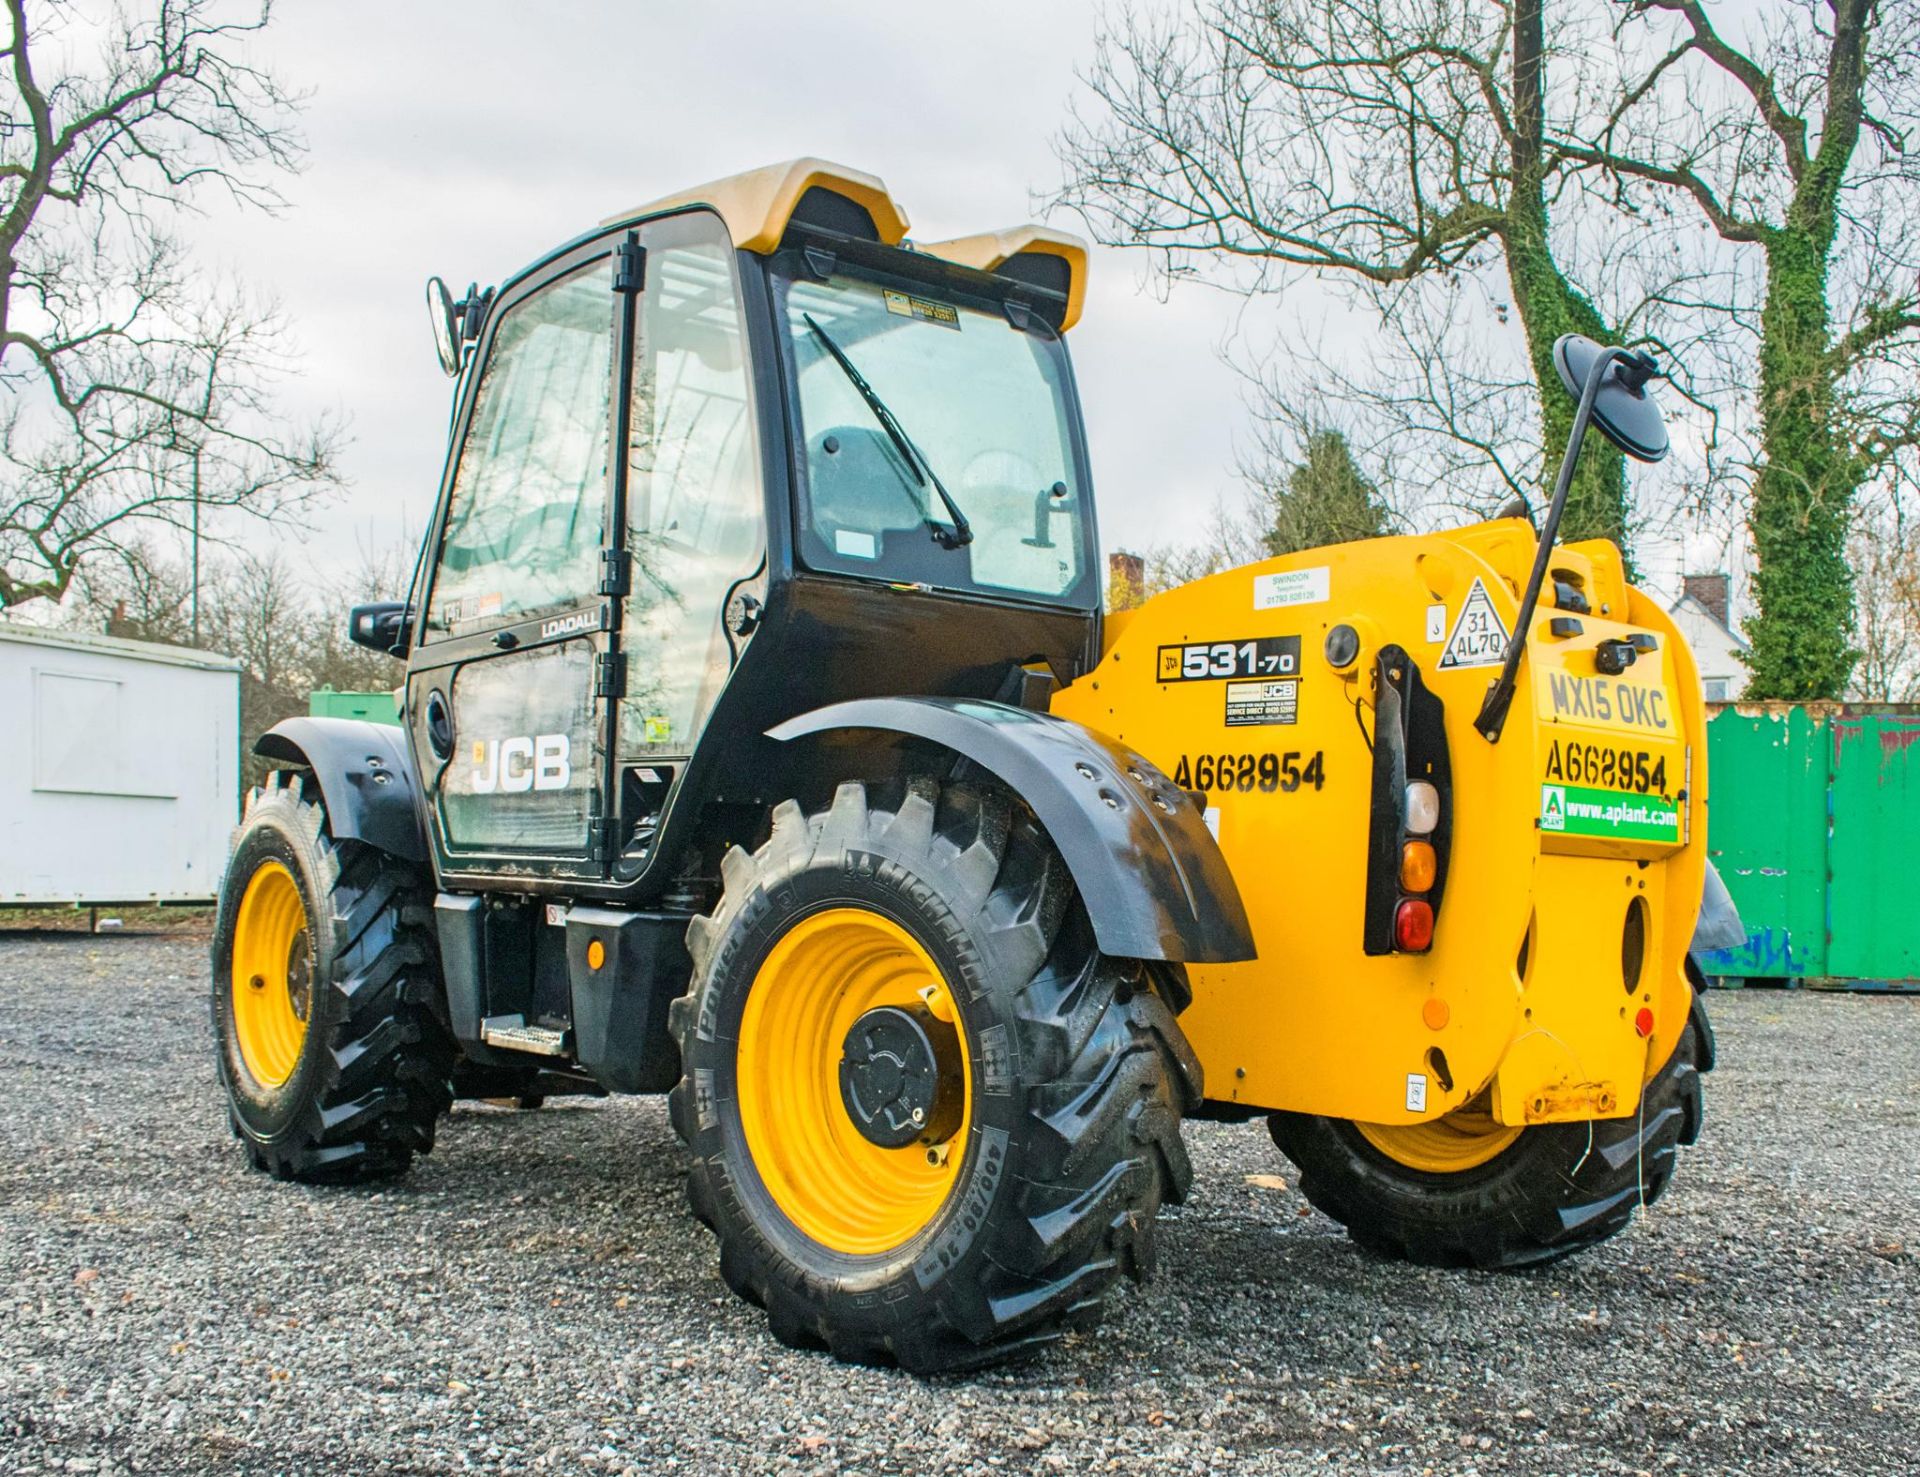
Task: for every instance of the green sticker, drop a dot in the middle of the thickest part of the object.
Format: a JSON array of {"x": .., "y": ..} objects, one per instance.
[
  {"x": 659, "y": 730},
  {"x": 1620, "y": 815}
]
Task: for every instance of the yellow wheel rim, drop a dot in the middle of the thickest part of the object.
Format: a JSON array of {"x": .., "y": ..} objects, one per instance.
[
  {"x": 1465, "y": 1139},
  {"x": 837, "y": 1187},
  {"x": 272, "y": 975}
]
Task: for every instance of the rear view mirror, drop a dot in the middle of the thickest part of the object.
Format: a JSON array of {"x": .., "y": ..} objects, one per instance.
[
  {"x": 1623, "y": 411},
  {"x": 446, "y": 329},
  {"x": 380, "y": 626},
  {"x": 1610, "y": 384}
]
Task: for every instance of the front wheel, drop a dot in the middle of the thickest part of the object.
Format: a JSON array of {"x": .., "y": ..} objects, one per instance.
[
  {"x": 931, "y": 1123},
  {"x": 1465, "y": 1191},
  {"x": 335, "y": 1062}
]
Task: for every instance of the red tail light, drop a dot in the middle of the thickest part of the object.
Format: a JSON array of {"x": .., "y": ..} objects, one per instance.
[{"x": 1413, "y": 926}]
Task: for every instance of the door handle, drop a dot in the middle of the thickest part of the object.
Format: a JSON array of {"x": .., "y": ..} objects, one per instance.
[{"x": 439, "y": 725}]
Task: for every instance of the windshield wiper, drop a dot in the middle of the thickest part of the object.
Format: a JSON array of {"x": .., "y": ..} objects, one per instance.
[{"x": 923, "y": 473}]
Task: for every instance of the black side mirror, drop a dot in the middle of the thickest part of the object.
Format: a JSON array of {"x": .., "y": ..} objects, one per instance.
[
  {"x": 382, "y": 626},
  {"x": 1623, "y": 411},
  {"x": 446, "y": 325},
  {"x": 1610, "y": 384}
]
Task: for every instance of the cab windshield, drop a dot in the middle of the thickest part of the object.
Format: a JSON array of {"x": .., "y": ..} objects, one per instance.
[{"x": 986, "y": 411}]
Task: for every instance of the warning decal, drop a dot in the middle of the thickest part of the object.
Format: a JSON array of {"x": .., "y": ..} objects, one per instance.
[
  {"x": 925, "y": 309},
  {"x": 1479, "y": 639}
]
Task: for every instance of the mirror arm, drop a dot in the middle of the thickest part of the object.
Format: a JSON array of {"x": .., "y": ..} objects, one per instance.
[{"x": 1493, "y": 711}]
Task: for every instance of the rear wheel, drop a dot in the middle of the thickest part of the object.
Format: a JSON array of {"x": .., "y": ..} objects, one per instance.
[
  {"x": 335, "y": 1062},
  {"x": 931, "y": 1123},
  {"x": 1467, "y": 1191}
]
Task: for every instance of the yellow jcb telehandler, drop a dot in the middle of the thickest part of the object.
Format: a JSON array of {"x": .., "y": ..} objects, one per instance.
[{"x": 765, "y": 744}]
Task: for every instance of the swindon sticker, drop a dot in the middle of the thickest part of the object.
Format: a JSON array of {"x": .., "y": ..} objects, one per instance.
[
  {"x": 1479, "y": 638},
  {"x": 1292, "y": 587}
]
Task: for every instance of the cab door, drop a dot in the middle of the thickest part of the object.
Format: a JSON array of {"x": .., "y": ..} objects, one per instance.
[{"x": 513, "y": 684}]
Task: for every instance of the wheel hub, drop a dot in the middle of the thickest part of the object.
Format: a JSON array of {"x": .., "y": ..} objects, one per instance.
[
  {"x": 300, "y": 976},
  {"x": 801, "y": 1110},
  {"x": 273, "y": 975},
  {"x": 899, "y": 1077}
]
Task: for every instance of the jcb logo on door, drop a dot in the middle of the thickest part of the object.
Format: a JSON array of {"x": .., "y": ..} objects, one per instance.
[{"x": 514, "y": 765}]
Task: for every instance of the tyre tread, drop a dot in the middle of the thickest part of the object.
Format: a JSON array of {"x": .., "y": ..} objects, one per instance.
[
  {"x": 1105, "y": 1111},
  {"x": 1625, "y": 1163},
  {"x": 387, "y": 1071}
]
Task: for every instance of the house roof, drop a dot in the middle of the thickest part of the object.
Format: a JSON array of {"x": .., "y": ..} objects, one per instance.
[{"x": 1692, "y": 605}]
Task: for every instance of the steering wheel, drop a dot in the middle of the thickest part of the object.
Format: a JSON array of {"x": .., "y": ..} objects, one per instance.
[{"x": 1001, "y": 468}]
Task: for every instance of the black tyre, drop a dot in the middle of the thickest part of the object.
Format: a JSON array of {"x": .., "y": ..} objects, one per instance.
[
  {"x": 1551, "y": 1191},
  {"x": 336, "y": 1063},
  {"x": 1049, "y": 1081}
]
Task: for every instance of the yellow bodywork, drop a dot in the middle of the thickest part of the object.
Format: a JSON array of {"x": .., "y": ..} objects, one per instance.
[
  {"x": 757, "y": 205},
  {"x": 990, "y": 250},
  {"x": 1524, "y": 996}
]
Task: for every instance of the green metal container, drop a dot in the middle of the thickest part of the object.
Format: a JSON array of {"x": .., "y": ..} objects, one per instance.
[
  {"x": 1814, "y": 823},
  {"x": 375, "y": 707}
]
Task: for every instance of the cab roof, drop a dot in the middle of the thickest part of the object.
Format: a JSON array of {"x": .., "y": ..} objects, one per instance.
[{"x": 758, "y": 206}]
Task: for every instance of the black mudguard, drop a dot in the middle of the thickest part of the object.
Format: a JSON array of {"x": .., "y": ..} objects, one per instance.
[
  {"x": 1154, "y": 881},
  {"x": 364, "y": 774}
]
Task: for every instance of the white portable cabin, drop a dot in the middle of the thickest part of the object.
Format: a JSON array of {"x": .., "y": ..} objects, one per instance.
[{"x": 119, "y": 768}]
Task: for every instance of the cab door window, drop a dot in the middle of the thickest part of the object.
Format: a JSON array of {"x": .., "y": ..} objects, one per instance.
[
  {"x": 525, "y": 524},
  {"x": 695, "y": 520}
]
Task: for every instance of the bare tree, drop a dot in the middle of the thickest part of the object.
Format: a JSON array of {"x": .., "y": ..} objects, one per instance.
[
  {"x": 1384, "y": 142},
  {"x": 1301, "y": 489},
  {"x": 1796, "y": 142},
  {"x": 1886, "y": 563},
  {"x": 288, "y": 631},
  {"x": 136, "y": 392}
]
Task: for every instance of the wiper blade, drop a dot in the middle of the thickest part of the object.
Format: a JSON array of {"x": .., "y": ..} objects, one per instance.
[{"x": 949, "y": 538}]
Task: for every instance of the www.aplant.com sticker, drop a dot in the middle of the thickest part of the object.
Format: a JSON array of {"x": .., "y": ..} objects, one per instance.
[{"x": 1619, "y": 815}]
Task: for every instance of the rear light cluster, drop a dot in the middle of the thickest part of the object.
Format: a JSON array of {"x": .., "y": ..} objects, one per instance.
[
  {"x": 1409, "y": 827},
  {"x": 1419, "y": 869}
]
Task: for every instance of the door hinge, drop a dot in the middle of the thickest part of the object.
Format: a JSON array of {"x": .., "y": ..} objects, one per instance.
[
  {"x": 629, "y": 266},
  {"x": 601, "y": 834},
  {"x": 610, "y": 675},
  {"x": 616, "y": 571}
]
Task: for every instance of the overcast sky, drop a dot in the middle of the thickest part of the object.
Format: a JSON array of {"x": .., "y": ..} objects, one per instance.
[{"x": 465, "y": 139}]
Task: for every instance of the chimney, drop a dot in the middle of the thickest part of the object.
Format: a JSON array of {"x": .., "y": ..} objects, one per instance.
[
  {"x": 1711, "y": 591},
  {"x": 1132, "y": 568}
]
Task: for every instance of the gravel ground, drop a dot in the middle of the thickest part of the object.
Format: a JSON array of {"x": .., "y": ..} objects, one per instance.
[{"x": 534, "y": 1296}]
